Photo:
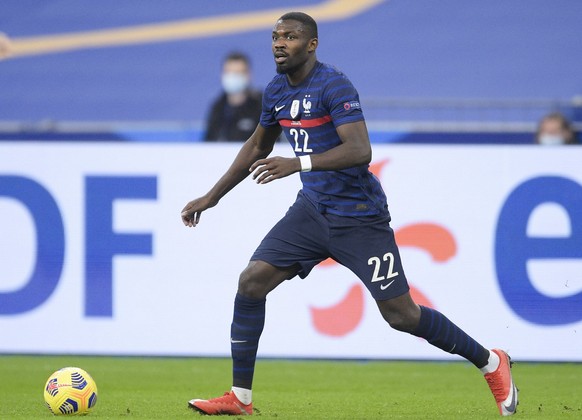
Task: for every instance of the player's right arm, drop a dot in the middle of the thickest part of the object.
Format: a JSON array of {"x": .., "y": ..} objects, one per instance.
[{"x": 258, "y": 146}]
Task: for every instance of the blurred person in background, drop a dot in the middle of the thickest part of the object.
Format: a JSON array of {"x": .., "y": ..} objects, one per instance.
[
  {"x": 235, "y": 114},
  {"x": 554, "y": 130}
]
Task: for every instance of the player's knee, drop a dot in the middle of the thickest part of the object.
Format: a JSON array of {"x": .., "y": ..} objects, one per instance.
[
  {"x": 400, "y": 314},
  {"x": 249, "y": 286},
  {"x": 401, "y": 322},
  {"x": 259, "y": 278},
  {"x": 252, "y": 284}
]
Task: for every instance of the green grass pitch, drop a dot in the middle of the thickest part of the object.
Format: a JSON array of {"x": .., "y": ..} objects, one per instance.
[{"x": 159, "y": 388}]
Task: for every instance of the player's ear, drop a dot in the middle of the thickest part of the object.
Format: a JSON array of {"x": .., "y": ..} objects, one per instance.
[{"x": 313, "y": 43}]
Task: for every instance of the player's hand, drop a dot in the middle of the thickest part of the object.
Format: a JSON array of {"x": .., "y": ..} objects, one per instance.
[
  {"x": 270, "y": 169},
  {"x": 192, "y": 211}
]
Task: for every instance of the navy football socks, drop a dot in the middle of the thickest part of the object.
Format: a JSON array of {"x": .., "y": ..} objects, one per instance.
[
  {"x": 249, "y": 319},
  {"x": 245, "y": 331},
  {"x": 439, "y": 331}
]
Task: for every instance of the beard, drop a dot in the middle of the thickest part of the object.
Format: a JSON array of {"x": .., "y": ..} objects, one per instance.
[
  {"x": 286, "y": 69},
  {"x": 291, "y": 65},
  {"x": 282, "y": 69}
]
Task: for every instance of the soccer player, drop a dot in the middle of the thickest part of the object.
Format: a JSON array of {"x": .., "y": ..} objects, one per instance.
[{"x": 340, "y": 212}]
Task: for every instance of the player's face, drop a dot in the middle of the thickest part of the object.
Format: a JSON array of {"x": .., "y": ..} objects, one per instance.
[{"x": 291, "y": 46}]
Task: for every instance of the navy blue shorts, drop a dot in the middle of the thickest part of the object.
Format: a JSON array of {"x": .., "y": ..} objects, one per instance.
[{"x": 304, "y": 237}]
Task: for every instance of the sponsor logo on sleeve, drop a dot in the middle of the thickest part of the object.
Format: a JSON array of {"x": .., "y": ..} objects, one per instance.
[{"x": 352, "y": 105}]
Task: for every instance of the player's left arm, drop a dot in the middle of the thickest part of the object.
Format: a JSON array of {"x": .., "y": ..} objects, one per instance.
[{"x": 354, "y": 150}]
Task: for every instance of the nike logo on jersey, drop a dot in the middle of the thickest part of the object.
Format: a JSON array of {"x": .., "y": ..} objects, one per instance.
[
  {"x": 279, "y": 108},
  {"x": 386, "y": 286}
]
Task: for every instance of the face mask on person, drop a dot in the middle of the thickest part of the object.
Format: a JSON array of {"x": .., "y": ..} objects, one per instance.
[
  {"x": 552, "y": 140},
  {"x": 234, "y": 82}
]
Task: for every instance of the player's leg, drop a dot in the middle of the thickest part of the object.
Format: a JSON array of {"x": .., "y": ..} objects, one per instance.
[
  {"x": 292, "y": 247},
  {"x": 370, "y": 251},
  {"x": 404, "y": 315},
  {"x": 259, "y": 278},
  {"x": 255, "y": 282}
]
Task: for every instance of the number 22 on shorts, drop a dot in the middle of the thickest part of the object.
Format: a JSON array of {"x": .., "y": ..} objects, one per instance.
[{"x": 375, "y": 261}]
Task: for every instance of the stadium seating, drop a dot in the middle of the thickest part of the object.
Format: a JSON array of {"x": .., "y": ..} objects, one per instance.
[{"x": 426, "y": 71}]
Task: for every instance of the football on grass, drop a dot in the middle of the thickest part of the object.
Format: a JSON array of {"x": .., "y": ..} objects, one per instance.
[{"x": 70, "y": 391}]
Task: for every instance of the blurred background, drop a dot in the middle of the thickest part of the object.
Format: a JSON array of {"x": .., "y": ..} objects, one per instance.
[
  {"x": 103, "y": 110},
  {"x": 427, "y": 72}
]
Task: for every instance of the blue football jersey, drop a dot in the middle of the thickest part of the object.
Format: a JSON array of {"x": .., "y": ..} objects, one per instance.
[{"x": 309, "y": 114}]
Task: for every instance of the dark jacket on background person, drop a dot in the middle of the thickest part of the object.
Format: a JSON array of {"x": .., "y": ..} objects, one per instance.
[{"x": 228, "y": 123}]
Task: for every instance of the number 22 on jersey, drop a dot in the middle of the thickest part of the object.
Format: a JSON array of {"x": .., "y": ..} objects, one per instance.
[{"x": 300, "y": 136}]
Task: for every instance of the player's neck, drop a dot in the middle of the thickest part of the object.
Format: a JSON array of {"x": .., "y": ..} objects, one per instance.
[{"x": 299, "y": 76}]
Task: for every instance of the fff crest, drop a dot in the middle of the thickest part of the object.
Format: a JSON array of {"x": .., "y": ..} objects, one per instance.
[{"x": 295, "y": 108}]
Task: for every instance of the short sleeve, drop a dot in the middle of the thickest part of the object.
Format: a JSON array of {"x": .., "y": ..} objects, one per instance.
[
  {"x": 267, "y": 115},
  {"x": 342, "y": 100}
]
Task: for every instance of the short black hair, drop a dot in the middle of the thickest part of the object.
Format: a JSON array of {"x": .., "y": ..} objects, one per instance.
[
  {"x": 238, "y": 56},
  {"x": 307, "y": 21}
]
